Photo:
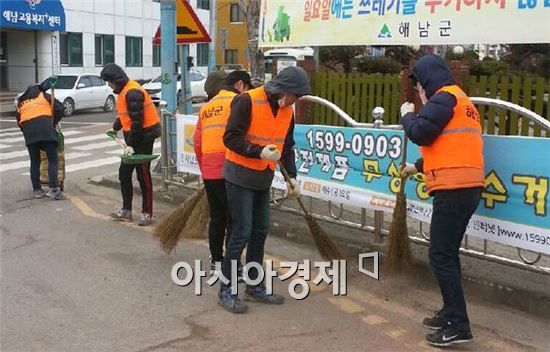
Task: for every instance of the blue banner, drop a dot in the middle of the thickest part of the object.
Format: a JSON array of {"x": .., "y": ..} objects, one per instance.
[
  {"x": 46, "y": 15},
  {"x": 350, "y": 160}
]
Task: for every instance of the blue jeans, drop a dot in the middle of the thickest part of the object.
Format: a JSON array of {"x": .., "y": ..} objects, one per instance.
[
  {"x": 50, "y": 148},
  {"x": 452, "y": 210},
  {"x": 249, "y": 211}
]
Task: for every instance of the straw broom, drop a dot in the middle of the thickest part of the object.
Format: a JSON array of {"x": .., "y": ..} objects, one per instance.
[
  {"x": 326, "y": 247},
  {"x": 169, "y": 228},
  {"x": 397, "y": 251},
  {"x": 196, "y": 224}
]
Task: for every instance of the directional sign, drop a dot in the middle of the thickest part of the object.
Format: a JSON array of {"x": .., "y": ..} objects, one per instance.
[{"x": 189, "y": 28}]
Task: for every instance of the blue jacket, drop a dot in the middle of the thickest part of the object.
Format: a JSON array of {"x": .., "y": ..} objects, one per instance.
[{"x": 432, "y": 73}]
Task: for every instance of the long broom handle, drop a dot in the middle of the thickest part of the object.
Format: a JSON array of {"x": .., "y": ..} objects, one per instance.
[
  {"x": 52, "y": 102},
  {"x": 287, "y": 179},
  {"x": 118, "y": 141},
  {"x": 404, "y": 162}
]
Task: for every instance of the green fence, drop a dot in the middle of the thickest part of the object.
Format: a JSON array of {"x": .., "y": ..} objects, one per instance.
[{"x": 358, "y": 94}]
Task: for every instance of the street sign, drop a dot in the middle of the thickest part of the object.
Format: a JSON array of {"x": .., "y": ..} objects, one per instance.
[{"x": 189, "y": 28}]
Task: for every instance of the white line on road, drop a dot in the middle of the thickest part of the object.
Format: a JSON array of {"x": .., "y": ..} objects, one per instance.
[
  {"x": 108, "y": 144},
  {"x": 86, "y": 138},
  {"x": 20, "y": 139},
  {"x": 2, "y": 130},
  {"x": 68, "y": 156},
  {"x": 92, "y": 164}
]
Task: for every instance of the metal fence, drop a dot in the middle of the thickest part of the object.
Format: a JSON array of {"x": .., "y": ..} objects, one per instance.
[{"x": 373, "y": 221}]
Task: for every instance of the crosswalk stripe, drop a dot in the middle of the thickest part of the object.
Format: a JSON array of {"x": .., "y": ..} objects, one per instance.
[
  {"x": 95, "y": 146},
  {"x": 86, "y": 138},
  {"x": 92, "y": 163},
  {"x": 9, "y": 134},
  {"x": 14, "y": 166},
  {"x": 21, "y": 138},
  {"x": 9, "y": 129},
  {"x": 4, "y": 146},
  {"x": 15, "y": 154},
  {"x": 68, "y": 156}
]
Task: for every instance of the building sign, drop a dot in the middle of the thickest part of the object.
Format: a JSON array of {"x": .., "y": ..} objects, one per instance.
[
  {"x": 45, "y": 15},
  {"x": 359, "y": 167},
  {"x": 403, "y": 22}
]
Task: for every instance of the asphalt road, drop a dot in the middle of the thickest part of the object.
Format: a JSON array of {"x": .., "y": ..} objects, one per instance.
[{"x": 72, "y": 280}]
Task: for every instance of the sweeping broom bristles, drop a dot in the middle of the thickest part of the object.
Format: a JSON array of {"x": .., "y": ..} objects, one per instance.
[
  {"x": 326, "y": 247},
  {"x": 197, "y": 222},
  {"x": 397, "y": 251},
  {"x": 169, "y": 228}
]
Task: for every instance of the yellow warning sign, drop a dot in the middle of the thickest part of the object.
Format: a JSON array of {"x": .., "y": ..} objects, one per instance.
[{"x": 189, "y": 28}]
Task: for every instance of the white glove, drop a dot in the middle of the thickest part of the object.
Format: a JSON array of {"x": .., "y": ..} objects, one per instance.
[
  {"x": 128, "y": 150},
  {"x": 293, "y": 188},
  {"x": 408, "y": 170},
  {"x": 270, "y": 152},
  {"x": 406, "y": 107}
]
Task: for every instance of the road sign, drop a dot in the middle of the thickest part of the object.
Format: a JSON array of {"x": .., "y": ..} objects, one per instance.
[{"x": 189, "y": 28}]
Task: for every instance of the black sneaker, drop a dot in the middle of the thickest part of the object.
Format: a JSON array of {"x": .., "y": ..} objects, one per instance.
[
  {"x": 231, "y": 303},
  {"x": 259, "y": 294},
  {"x": 435, "y": 322},
  {"x": 448, "y": 337}
]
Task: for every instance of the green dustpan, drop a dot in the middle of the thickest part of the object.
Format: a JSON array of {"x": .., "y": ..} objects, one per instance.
[{"x": 134, "y": 159}]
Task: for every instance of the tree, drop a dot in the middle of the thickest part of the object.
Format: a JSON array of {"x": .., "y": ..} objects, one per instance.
[
  {"x": 532, "y": 58},
  {"x": 251, "y": 10},
  {"x": 332, "y": 56}
]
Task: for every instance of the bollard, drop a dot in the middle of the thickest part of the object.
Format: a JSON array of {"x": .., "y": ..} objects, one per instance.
[
  {"x": 378, "y": 115},
  {"x": 164, "y": 148}
]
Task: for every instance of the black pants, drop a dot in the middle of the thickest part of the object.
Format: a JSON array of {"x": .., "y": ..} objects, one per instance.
[
  {"x": 219, "y": 228},
  {"x": 452, "y": 210},
  {"x": 143, "y": 172},
  {"x": 50, "y": 148}
]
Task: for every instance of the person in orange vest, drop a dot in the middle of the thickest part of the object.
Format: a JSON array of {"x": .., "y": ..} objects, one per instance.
[
  {"x": 34, "y": 117},
  {"x": 140, "y": 124},
  {"x": 259, "y": 133},
  {"x": 448, "y": 131},
  {"x": 210, "y": 152}
]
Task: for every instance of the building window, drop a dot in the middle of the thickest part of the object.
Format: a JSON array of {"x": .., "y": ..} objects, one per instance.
[
  {"x": 70, "y": 49},
  {"x": 202, "y": 54},
  {"x": 156, "y": 55},
  {"x": 235, "y": 13},
  {"x": 134, "y": 52},
  {"x": 203, "y": 4},
  {"x": 104, "y": 49},
  {"x": 231, "y": 56}
]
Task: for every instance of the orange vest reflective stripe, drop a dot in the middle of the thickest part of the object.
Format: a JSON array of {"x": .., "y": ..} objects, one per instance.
[
  {"x": 33, "y": 108},
  {"x": 150, "y": 116},
  {"x": 264, "y": 129},
  {"x": 214, "y": 115},
  {"x": 455, "y": 159}
]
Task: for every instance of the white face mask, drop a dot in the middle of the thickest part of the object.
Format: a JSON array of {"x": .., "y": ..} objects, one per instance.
[{"x": 281, "y": 102}]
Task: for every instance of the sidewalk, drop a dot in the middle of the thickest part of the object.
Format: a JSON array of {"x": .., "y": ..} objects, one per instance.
[{"x": 487, "y": 281}]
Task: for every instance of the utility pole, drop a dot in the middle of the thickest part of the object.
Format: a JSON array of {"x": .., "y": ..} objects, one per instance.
[
  {"x": 213, "y": 34},
  {"x": 168, "y": 52}
]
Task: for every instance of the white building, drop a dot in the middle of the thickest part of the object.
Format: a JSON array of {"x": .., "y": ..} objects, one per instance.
[{"x": 80, "y": 36}]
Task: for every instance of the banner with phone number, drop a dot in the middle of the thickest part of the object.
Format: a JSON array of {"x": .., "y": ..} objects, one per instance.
[{"x": 359, "y": 167}]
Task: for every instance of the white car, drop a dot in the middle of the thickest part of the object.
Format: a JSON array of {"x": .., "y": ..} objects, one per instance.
[
  {"x": 196, "y": 79},
  {"x": 82, "y": 92}
]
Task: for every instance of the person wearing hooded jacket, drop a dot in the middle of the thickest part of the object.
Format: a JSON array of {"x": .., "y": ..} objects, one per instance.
[
  {"x": 210, "y": 152},
  {"x": 34, "y": 117},
  {"x": 448, "y": 131},
  {"x": 140, "y": 124},
  {"x": 259, "y": 133}
]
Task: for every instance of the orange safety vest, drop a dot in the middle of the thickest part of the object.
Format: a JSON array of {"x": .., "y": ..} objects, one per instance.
[
  {"x": 150, "y": 116},
  {"x": 213, "y": 117},
  {"x": 32, "y": 108},
  {"x": 264, "y": 129},
  {"x": 455, "y": 159}
]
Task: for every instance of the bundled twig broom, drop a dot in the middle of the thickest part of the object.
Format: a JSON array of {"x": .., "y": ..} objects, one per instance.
[
  {"x": 397, "y": 251},
  {"x": 327, "y": 249},
  {"x": 197, "y": 222},
  {"x": 171, "y": 227}
]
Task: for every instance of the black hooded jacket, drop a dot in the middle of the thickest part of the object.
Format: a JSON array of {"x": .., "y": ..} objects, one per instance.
[
  {"x": 292, "y": 80},
  {"x": 40, "y": 129},
  {"x": 135, "y": 99},
  {"x": 432, "y": 73}
]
